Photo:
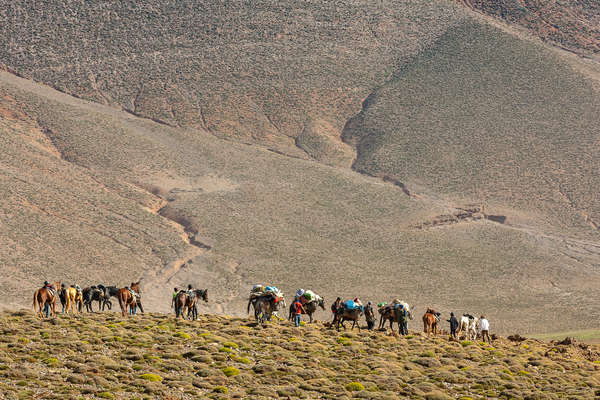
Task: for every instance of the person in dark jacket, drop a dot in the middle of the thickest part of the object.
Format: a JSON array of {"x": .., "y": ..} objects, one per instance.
[
  {"x": 334, "y": 307},
  {"x": 370, "y": 316},
  {"x": 453, "y": 325}
]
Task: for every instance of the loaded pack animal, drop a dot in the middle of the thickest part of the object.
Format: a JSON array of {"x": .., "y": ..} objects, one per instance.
[
  {"x": 184, "y": 302},
  {"x": 130, "y": 297},
  {"x": 74, "y": 296},
  {"x": 95, "y": 293},
  {"x": 430, "y": 321},
  {"x": 44, "y": 299},
  {"x": 467, "y": 327},
  {"x": 343, "y": 314},
  {"x": 391, "y": 312},
  {"x": 265, "y": 306},
  {"x": 309, "y": 308}
]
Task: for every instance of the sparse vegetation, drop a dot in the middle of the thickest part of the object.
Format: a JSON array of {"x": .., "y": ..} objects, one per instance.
[{"x": 314, "y": 365}]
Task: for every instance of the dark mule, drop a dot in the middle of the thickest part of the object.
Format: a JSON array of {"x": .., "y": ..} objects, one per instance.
[
  {"x": 310, "y": 309},
  {"x": 62, "y": 295},
  {"x": 388, "y": 313},
  {"x": 109, "y": 291},
  {"x": 265, "y": 307},
  {"x": 343, "y": 314},
  {"x": 44, "y": 299},
  {"x": 95, "y": 293},
  {"x": 130, "y": 297}
]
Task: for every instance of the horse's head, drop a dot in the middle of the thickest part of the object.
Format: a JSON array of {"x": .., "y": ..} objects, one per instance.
[
  {"x": 410, "y": 311},
  {"x": 322, "y": 303},
  {"x": 135, "y": 286},
  {"x": 204, "y": 295}
]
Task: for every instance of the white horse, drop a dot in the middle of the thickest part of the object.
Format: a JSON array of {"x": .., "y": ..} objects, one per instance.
[{"x": 467, "y": 327}]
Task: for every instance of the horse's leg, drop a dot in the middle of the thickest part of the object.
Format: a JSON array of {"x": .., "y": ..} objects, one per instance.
[{"x": 123, "y": 304}]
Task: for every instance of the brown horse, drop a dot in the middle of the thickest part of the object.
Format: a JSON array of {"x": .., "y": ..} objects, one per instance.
[
  {"x": 309, "y": 309},
  {"x": 183, "y": 302},
  {"x": 430, "y": 321},
  {"x": 343, "y": 314},
  {"x": 45, "y": 300},
  {"x": 129, "y": 299}
]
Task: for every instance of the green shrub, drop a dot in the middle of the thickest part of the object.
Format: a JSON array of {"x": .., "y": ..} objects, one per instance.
[
  {"x": 344, "y": 341},
  {"x": 220, "y": 389},
  {"x": 50, "y": 361},
  {"x": 231, "y": 345},
  {"x": 106, "y": 395},
  {"x": 225, "y": 350},
  {"x": 466, "y": 343},
  {"x": 231, "y": 371},
  {"x": 355, "y": 387},
  {"x": 428, "y": 353},
  {"x": 182, "y": 335},
  {"x": 151, "y": 377}
]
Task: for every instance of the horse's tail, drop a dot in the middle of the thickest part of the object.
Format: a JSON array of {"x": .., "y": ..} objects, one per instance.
[
  {"x": 120, "y": 297},
  {"x": 35, "y": 299},
  {"x": 249, "y": 302}
]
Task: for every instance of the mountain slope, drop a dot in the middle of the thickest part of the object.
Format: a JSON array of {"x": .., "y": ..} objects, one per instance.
[{"x": 217, "y": 157}]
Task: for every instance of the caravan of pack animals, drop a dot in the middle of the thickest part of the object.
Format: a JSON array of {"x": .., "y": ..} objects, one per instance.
[{"x": 266, "y": 301}]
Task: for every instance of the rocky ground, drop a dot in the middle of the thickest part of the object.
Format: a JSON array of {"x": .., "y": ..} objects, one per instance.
[{"x": 155, "y": 356}]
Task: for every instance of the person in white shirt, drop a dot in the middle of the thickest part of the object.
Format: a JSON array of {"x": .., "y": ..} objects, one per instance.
[{"x": 485, "y": 329}]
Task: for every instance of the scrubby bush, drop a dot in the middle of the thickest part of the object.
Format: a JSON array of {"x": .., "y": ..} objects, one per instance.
[
  {"x": 355, "y": 387},
  {"x": 231, "y": 371},
  {"x": 151, "y": 377}
]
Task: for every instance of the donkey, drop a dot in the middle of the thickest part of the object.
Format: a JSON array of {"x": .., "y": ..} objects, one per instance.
[{"x": 309, "y": 309}]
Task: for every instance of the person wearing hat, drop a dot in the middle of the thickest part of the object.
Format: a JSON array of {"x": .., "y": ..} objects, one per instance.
[
  {"x": 484, "y": 325},
  {"x": 370, "y": 316},
  {"x": 334, "y": 307},
  {"x": 453, "y": 325}
]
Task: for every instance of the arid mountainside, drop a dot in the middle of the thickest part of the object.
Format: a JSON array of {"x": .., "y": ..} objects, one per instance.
[
  {"x": 573, "y": 25},
  {"x": 373, "y": 149}
]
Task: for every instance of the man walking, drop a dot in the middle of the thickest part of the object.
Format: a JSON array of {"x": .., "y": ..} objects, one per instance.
[
  {"x": 334, "y": 307},
  {"x": 370, "y": 316},
  {"x": 298, "y": 309},
  {"x": 453, "y": 325},
  {"x": 485, "y": 329},
  {"x": 401, "y": 318}
]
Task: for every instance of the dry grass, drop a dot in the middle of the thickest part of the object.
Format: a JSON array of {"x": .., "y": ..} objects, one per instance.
[{"x": 151, "y": 361}]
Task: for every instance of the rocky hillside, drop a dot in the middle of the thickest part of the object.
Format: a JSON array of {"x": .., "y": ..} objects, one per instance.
[
  {"x": 573, "y": 25},
  {"x": 103, "y": 356}
]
